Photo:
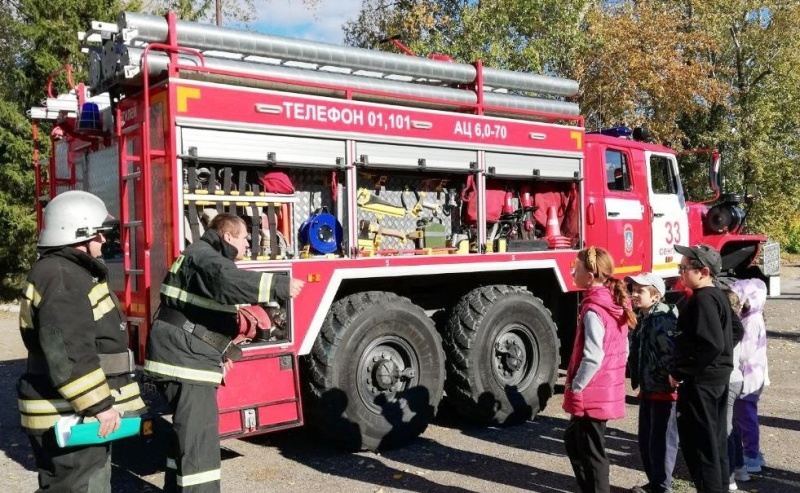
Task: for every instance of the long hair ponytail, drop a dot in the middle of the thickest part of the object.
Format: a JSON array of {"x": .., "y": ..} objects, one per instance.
[
  {"x": 621, "y": 298},
  {"x": 600, "y": 263}
]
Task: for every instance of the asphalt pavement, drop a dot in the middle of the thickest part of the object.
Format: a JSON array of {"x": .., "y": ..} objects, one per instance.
[{"x": 452, "y": 456}]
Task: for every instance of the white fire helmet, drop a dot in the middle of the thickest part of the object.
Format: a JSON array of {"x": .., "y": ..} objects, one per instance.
[{"x": 74, "y": 217}]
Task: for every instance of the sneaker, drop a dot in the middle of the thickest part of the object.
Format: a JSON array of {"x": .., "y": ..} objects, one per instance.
[
  {"x": 740, "y": 474},
  {"x": 752, "y": 464},
  {"x": 733, "y": 486}
]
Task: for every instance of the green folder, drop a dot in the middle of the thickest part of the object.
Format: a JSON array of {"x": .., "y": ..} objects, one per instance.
[{"x": 69, "y": 433}]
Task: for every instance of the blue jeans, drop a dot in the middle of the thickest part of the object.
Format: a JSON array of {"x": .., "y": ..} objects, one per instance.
[
  {"x": 658, "y": 442},
  {"x": 735, "y": 450}
]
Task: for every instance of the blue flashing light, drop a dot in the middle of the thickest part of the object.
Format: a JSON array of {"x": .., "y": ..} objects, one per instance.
[
  {"x": 620, "y": 131},
  {"x": 90, "y": 118}
]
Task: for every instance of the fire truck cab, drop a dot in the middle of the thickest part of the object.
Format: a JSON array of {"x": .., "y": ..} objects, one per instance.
[
  {"x": 638, "y": 199},
  {"x": 433, "y": 208}
]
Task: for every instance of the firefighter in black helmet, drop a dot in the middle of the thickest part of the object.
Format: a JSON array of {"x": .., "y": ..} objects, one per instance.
[
  {"x": 190, "y": 343},
  {"x": 78, "y": 358}
]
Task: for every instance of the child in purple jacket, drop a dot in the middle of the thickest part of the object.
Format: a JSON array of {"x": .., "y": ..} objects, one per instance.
[{"x": 753, "y": 364}]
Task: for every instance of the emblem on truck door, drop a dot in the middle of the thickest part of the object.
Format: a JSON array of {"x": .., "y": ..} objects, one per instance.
[{"x": 627, "y": 233}]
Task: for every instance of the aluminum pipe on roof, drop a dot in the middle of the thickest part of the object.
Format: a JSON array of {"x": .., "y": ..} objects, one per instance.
[
  {"x": 158, "y": 63},
  {"x": 153, "y": 29}
]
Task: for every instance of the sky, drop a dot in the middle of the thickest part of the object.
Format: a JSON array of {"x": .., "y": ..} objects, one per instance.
[{"x": 292, "y": 18}]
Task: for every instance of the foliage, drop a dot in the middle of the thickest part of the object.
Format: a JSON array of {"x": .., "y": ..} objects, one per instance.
[
  {"x": 16, "y": 196},
  {"x": 236, "y": 11},
  {"x": 757, "y": 56},
  {"x": 36, "y": 40},
  {"x": 205, "y": 10},
  {"x": 714, "y": 75},
  {"x": 792, "y": 242},
  {"x": 516, "y": 34},
  {"x": 646, "y": 67}
]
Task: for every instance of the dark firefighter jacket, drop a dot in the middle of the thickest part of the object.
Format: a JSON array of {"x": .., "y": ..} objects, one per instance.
[
  {"x": 73, "y": 329},
  {"x": 205, "y": 285}
]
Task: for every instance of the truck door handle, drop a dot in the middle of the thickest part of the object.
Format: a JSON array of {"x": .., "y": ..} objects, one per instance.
[
  {"x": 613, "y": 214},
  {"x": 658, "y": 214}
]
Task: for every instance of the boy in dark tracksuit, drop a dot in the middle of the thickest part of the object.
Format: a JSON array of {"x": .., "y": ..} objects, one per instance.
[
  {"x": 701, "y": 369},
  {"x": 652, "y": 345}
]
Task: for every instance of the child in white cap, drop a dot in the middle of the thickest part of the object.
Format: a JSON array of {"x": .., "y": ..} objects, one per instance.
[{"x": 651, "y": 350}]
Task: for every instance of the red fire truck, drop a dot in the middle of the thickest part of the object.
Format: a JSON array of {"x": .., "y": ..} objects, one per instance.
[{"x": 433, "y": 208}]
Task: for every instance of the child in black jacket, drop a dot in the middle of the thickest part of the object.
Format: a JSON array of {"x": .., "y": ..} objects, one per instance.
[{"x": 651, "y": 353}]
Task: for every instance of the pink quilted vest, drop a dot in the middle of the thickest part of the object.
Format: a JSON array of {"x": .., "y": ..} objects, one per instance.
[{"x": 604, "y": 397}]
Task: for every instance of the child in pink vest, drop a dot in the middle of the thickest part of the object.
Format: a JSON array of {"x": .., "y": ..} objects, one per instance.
[{"x": 595, "y": 384}]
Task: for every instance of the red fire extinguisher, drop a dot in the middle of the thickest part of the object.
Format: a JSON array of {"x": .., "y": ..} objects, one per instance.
[{"x": 526, "y": 203}]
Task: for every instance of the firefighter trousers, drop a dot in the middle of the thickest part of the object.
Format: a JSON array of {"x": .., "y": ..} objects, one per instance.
[
  {"x": 72, "y": 469},
  {"x": 193, "y": 458}
]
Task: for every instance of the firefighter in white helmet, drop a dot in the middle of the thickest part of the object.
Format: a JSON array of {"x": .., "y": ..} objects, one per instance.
[{"x": 78, "y": 358}]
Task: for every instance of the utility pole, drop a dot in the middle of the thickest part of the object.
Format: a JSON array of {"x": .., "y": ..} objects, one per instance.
[{"x": 219, "y": 11}]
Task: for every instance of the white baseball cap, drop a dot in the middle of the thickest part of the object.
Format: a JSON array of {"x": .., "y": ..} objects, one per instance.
[{"x": 649, "y": 279}]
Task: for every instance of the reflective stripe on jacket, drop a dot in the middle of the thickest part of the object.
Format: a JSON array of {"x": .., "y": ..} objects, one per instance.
[
  {"x": 68, "y": 317},
  {"x": 206, "y": 286}
]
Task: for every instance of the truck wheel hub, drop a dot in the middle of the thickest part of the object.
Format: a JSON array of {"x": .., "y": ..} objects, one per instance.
[
  {"x": 513, "y": 349},
  {"x": 386, "y": 368},
  {"x": 510, "y": 353},
  {"x": 385, "y": 374}
]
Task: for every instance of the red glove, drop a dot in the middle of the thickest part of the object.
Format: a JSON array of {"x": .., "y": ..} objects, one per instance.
[{"x": 252, "y": 318}]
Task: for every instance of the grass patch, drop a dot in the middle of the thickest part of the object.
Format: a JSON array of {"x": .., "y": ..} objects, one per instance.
[
  {"x": 682, "y": 486},
  {"x": 790, "y": 259}
]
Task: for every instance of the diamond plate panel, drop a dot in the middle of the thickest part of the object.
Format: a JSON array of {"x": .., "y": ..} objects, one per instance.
[
  {"x": 313, "y": 190},
  {"x": 98, "y": 173},
  {"x": 393, "y": 189},
  {"x": 81, "y": 172},
  {"x": 61, "y": 153},
  {"x": 159, "y": 172},
  {"x": 771, "y": 258},
  {"x": 102, "y": 177}
]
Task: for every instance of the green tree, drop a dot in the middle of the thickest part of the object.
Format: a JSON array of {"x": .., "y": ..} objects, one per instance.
[
  {"x": 718, "y": 74},
  {"x": 16, "y": 196},
  {"x": 514, "y": 34},
  {"x": 757, "y": 57},
  {"x": 236, "y": 11},
  {"x": 644, "y": 66},
  {"x": 635, "y": 63},
  {"x": 36, "y": 40}
]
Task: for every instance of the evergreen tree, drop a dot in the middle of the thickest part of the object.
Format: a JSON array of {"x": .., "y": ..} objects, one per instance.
[{"x": 37, "y": 38}]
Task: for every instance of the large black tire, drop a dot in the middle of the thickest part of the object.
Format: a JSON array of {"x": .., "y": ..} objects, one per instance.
[
  {"x": 502, "y": 353},
  {"x": 375, "y": 374}
]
